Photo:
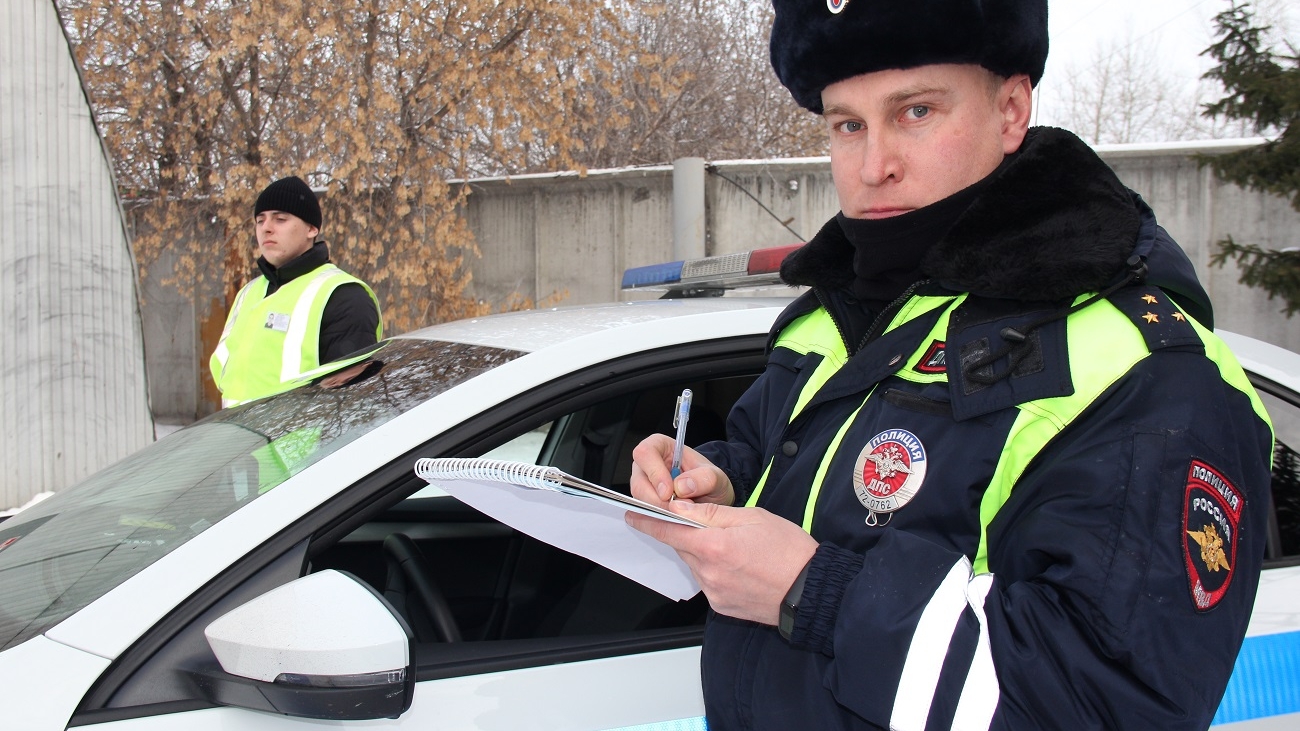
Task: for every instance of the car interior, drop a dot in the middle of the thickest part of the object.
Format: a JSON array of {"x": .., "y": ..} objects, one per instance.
[{"x": 456, "y": 575}]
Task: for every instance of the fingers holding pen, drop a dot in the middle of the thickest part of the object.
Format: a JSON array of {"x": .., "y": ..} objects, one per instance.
[
  {"x": 652, "y": 480},
  {"x": 702, "y": 481}
]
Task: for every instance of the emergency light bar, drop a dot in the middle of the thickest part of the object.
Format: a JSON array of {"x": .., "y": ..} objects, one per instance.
[{"x": 713, "y": 274}]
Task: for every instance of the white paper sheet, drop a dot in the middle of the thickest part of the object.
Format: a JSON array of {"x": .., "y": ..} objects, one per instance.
[{"x": 587, "y": 526}]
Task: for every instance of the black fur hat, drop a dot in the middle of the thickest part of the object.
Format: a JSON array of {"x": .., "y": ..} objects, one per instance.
[{"x": 816, "y": 43}]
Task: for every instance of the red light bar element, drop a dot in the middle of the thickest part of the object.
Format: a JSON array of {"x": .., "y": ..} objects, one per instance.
[{"x": 767, "y": 261}]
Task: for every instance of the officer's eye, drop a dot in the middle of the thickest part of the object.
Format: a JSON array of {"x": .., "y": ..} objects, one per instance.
[
  {"x": 848, "y": 127},
  {"x": 918, "y": 111}
]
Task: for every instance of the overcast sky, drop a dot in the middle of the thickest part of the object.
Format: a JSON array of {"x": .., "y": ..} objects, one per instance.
[{"x": 1177, "y": 29}]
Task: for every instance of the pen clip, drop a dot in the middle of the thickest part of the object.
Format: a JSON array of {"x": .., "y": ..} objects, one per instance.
[{"x": 677, "y": 414}]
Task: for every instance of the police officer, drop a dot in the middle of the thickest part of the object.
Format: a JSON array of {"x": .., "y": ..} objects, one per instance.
[
  {"x": 999, "y": 472},
  {"x": 301, "y": 313}
]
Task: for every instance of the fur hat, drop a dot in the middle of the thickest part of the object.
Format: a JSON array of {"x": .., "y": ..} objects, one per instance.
[
  {"x": 816, "y": 43},
  {"x": 290, "y": 195}
]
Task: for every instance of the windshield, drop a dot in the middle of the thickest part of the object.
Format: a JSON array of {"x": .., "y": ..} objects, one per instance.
[{"x": 64, "y": 552}]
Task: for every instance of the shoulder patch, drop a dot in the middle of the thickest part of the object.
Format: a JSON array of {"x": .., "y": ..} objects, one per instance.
[
  {"x": 1154, "y": 314},
  {"x": 1212, "y": 508},
  {"x": 933, "y": 361}
]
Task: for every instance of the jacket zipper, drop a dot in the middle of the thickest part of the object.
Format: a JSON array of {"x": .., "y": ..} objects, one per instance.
[
  {"x": 821, "y": 299},
  {"x": 889, "y": 311}
]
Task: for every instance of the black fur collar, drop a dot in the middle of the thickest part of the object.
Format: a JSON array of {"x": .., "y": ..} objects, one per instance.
[{"x": 1056, "y": 222}]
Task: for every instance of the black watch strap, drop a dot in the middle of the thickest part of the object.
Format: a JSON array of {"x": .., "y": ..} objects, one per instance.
[{"x": 790, "y": 604}]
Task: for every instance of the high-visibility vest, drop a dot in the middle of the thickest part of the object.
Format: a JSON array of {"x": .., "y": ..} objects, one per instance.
[
  {"x": 1092, "y": 370},
  {"x": 270, "y": 343}
]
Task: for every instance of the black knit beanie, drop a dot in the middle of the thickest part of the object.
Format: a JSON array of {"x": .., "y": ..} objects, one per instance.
[
  {"x": 290, "y": 195},
  {"x": 816, "y": 43}
]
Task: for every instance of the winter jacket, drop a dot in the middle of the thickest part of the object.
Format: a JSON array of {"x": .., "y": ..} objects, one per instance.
[{"x": 1038, "y": 480}]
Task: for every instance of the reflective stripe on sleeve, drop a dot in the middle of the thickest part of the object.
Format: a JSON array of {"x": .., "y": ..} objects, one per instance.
[
  {"x": 929, "y": 649},
  {"x": 979, "y": 697}
]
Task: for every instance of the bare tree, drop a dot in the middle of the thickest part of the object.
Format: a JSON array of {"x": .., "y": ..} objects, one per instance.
[
  {"x": 1123, "y": 93},
  {"x": 383, "y": 102},
  {"x": 698, "y": 83},
  {"x": 1127, "y": 91},
  {"x": 380, "y": 102}
]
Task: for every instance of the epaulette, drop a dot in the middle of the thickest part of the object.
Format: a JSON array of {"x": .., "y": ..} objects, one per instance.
[{"x": 1153, "y": 312}]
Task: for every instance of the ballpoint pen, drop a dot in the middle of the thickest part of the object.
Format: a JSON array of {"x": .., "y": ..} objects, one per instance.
[{"x": 680, "y": 417}]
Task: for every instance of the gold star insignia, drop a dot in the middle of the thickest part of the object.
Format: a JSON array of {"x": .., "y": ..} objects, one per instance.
[
  {"x": 1151, "y": 317},
  {"x": 1179, "y": 316},
  {"x": 1149, "y": 299}
]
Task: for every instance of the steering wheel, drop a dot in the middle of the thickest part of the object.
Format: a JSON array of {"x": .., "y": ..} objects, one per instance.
[{"x": 409, "y": 582}]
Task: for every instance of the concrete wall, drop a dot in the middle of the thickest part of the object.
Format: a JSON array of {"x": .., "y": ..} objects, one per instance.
[
  {"x": 539, "y": 234},
  {"x": 542, "y": 235},
  {"x": 1198, "y": 210},
  {"x": 73, "y": 397}
]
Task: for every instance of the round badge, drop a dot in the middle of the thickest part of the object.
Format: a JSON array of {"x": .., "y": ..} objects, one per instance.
[
  {"x": 836, "y": 6},
  {"x": 888, "y": 473}
]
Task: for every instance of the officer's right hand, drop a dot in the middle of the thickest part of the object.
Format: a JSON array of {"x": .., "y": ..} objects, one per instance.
[{"x": 700, "y": 480}]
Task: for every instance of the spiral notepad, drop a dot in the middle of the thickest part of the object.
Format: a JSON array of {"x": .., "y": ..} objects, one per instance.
[
  {"x": 569, "y": 513},
  {"x": 541, "y": 477}
]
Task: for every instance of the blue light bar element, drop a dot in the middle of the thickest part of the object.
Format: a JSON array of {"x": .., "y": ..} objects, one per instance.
[{"x": 652, "y": 275}]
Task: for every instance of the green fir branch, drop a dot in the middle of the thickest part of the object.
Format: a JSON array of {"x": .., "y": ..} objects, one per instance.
[{"x": 1275, "y": 272}]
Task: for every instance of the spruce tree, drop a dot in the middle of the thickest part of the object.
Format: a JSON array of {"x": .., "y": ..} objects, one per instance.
[{"x": 1263, "y": 88}]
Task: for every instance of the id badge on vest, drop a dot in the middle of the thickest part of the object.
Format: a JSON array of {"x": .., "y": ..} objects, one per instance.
[{"x": 277, "y": 321}]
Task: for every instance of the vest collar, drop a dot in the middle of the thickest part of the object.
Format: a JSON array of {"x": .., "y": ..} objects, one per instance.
[{"x": 308, "y": 261}]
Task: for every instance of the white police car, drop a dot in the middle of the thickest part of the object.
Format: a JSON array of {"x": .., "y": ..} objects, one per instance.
[{"x": 227, "y": 576}]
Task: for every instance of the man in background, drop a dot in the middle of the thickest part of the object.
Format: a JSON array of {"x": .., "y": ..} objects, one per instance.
[{"x": 302, "y": 312}]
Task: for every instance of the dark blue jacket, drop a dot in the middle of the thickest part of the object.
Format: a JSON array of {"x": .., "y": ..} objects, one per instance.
[{"x": 1106, "y": 604}]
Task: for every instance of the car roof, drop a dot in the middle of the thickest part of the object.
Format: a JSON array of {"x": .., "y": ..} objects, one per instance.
[
  {"x": 1265, "y": 359},
  {"x": 533, "y": 330}
]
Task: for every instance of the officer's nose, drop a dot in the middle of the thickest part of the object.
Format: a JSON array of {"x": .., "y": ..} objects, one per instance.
[{"x": 880, "y": 162}]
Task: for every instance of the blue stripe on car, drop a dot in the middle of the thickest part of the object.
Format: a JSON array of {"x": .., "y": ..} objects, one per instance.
[{"x": 1265, "y": 680}]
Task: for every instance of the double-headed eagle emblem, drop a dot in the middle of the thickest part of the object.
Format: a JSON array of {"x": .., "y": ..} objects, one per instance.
[
  {"x": 889, "y": 462},
  {"x": 1211, "y": 548}
]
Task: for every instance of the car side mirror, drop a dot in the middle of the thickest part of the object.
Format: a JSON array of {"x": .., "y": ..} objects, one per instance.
[{"x": 324, "y": 646}]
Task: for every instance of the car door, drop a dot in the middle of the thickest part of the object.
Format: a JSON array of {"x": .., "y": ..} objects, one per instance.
[{"x": 546, "y": 642}]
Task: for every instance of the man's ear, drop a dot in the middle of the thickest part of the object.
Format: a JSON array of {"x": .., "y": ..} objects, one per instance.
[
  {"x": 1016, "y": 103},
  {"x": 312, "y": 232}
]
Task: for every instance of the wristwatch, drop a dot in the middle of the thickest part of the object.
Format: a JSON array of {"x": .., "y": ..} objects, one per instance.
[{"x": 790, "y": 604}]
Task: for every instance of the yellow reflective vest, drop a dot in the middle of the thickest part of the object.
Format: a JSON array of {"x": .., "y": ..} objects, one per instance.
[{"x": 271, "y": 343}]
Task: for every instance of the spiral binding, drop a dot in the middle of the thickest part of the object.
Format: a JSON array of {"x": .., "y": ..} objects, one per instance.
[{"x": 497, "y": 470}]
